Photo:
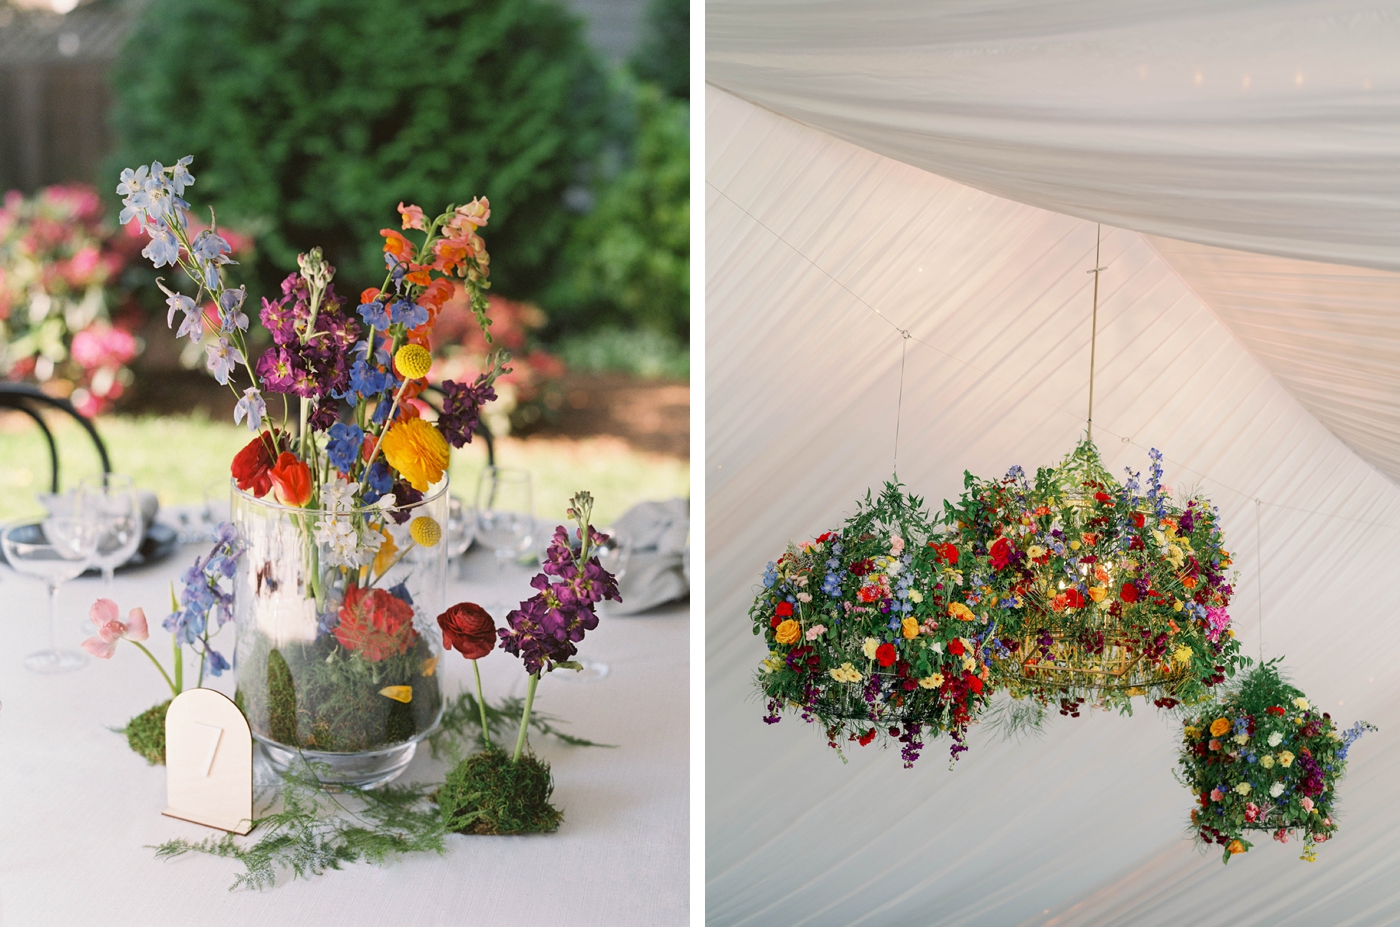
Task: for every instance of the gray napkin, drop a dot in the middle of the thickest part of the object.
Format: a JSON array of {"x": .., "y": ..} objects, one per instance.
[{"x": 655, "y": 570}]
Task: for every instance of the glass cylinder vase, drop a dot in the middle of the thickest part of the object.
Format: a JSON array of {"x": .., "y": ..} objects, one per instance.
[{"x": 337, "y": 640}]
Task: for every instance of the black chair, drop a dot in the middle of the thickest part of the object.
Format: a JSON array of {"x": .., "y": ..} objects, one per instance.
[{"x": 23, "y": 397}]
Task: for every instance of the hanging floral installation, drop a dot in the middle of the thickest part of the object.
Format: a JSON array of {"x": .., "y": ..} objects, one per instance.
[
  {"x": 859, "y": 637},
  {"x": 1091, "y": 590},
  {"x": 1261, "y": 758}
]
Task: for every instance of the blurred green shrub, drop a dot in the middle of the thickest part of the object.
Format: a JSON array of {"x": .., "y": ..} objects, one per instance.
[
  {"x": 629, "y": 260},
  {"x": 640, "y": 352},
  {"x": 663, "y": 57},
  {"x": 310, "y": 120}
]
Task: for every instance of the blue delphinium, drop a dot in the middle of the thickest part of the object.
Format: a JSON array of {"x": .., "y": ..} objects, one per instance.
[{"x": 204, "y": 601}]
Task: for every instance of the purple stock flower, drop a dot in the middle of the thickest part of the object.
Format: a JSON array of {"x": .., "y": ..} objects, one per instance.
[{"x": 461, "y": 409}]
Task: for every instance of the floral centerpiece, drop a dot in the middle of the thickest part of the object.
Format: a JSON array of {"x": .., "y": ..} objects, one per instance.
[
  {"x": 1091, "y": 589},
  {"x": 59, "y": 266},
  {"x": 860, "y": 637},
  {"x": 1261, "y": 758},
  {"x": 340, "y": 496}
]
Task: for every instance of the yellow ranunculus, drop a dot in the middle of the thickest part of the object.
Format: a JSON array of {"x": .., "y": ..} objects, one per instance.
[
  {"x": 788, "y": 632},
  {"x": 1098, "y": 593},
  {"x": 1219, "y": 727},
  {"x": 910, "y": 627},
  {"x": 1285, "y": 759},
  {"x": 931, "y": 682},
  {"x": 417, "y": 450},
  {"x": 960, "y": 611}
]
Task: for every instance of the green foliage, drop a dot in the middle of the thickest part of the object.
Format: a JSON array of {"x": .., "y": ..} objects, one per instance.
[
  {"x": 488, "y": 794},
  {"x": 663, "y": 56},
  {"x": 630, "y": 257},
  {"x": 639, "y": 352},
  {"x": 313, "y": 831},
  {"x": 145, "y": 733},
  {"x": 461, "y": 725},
  {"x": 310, "y": 121}
]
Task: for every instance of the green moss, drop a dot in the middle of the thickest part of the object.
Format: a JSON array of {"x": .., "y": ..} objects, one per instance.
[
  {"x": 145, "y": 733},
  {"x": 281, "y": 700},
  {"x": 488, "y": 794}
]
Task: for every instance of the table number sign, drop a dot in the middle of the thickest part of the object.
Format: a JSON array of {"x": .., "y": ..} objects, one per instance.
[{"x": 209, "y": 762}]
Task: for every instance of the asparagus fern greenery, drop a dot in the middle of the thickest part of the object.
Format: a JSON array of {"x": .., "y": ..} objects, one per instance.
[{"x": 306, "y": 830}]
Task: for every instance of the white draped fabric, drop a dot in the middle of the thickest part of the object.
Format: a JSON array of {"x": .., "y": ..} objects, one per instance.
[
  {"x": 818, "y": 254},
  {"x": 1261, "y": 125}
]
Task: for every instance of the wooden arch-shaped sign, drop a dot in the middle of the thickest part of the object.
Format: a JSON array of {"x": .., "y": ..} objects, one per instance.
[{"x": 209, "y": 762}]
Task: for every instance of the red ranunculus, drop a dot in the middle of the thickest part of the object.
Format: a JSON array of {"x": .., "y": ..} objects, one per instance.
[
  {"x": 885, "y": 655},
  {"x": 956, "y": 648},
  {"x": 1139, "y": 519},
  {"x": 1129, "y": 592},
  {"x": 1000, "y": 553},
  {"x": 974, "y": 683},
  {"x": 253, "y": 465},
  {"x": 291, "y": 480},
  {"x": 1073, "y": 598},
  {"x": 1275, "y": 710},
  {"x": 950, "y": 553},
  {"x": 1102, "y": 496},
  {"x": 468, "y": 629},
  {"x": 784, "y": 610},
  {"x": 867, "y": 737},
  {"x": 375, "y": 624}
]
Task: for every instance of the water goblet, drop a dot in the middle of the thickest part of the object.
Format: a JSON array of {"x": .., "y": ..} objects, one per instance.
[
  {"x": 55, "y": 550},
  {"x": 116, "y": 511},
  {"x": 459, "y": 532},
  {"x": 505, "y": 519}
]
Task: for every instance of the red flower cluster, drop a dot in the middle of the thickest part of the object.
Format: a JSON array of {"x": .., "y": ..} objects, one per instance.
[
  {"x": 252, "y": 466},
  {"x": 885, "y": 655},
  {"x": 1000, "y": 552},
  {"x": 956, "y": 648},
  {"x": 375, "y": 624},
  {"x": 945, "y": 552},
  {"x": 1129, "y": 593}
]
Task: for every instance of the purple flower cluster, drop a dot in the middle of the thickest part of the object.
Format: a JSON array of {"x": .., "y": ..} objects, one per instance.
[
  {"x": 545, "y": 629},
  {"x": 203, "y": 599},
  {"x": 307, "y": 363},
  {"x": 461, "y": 409}
]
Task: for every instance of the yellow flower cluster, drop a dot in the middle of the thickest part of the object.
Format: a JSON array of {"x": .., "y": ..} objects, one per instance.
[
  {"x": 1285, "y": 759},
  {"x": 846, "y": 673},
  {"x": 1219, "y": 727},
  {"x": 910, "y": 627},
  {"x": 788, "y": 632},
  {"x": 931, "y": 682}
]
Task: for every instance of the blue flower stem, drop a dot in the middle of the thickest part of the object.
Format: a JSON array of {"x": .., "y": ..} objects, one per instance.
[
  {"x": 481, "y": 704},
  {"x": 168, "y": 681},
  {"x": 525, "y": 717},
  {"x": 179, "y": 685}
]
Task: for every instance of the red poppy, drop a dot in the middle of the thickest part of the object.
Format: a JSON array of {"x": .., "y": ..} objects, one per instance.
[
  {"x": 252, "y": 466},
  {"x": 1129, "y": 593},
  {"x": 1102, "y": 497},
  {"x": 956, "y": 648},
  {"x": 1139, "y": 519},
  {"x": 784, "y": 609},
  {"x": 884, "y": 654},
  {"x": 867, "y": 737},
  {"x": 292, "y": 480},
  {"x": 1001, "y": 553}
]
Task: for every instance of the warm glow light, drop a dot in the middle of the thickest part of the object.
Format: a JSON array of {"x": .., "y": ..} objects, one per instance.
[
  {"x": 1200, "y": 78},
  {"x": 1245, "y": 82},
  {"x": 63, "y": 6},
  {"x": 1298, "y": 79}
]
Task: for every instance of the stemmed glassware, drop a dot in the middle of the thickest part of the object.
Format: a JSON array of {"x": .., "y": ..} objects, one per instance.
[
  {"x": 116, "y": 511},
  {"x": 57, "y": 549},
  {"x": 505, "y": 515},
  {"x": 459, "y": 533}
]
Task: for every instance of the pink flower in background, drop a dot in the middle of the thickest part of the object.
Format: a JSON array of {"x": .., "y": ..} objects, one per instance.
[
  {"x": 102, "y": 345},
  {"x": 1217, "y": 620},
  {"x": 110, "y": 630}
]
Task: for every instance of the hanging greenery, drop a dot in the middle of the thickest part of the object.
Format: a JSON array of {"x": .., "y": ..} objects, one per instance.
[
  {"x": 858, "y": 638},
  {"x": 1260, "y": 757},
  {"x": 1093, "y": 591}
]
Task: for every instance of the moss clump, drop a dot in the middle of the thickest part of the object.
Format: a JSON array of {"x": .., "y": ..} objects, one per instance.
[
  {"x": 281, "y": 700},
  {"x": 145, "y": 733},
  {"x": 488, "y": 794}
]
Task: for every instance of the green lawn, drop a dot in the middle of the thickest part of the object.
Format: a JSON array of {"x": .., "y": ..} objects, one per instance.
[{"x": 182, "y": 459}]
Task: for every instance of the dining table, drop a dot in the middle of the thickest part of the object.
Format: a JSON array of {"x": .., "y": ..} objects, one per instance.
[{"x": 80, "y": 813}]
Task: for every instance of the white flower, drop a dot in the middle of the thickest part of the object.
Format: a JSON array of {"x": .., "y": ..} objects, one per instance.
[
  {"x": 804, "y": 597},
  {"x": 1276, "y": 789},
  {"x": 1275, "y": 739},
  {"x": 1243, "y": 788},
  {"x": 337, "y": 496},
  {"x": 915, "y": 596}
]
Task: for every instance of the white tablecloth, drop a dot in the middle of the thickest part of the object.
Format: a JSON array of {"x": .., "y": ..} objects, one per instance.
[{"x": 78, "y": 809}]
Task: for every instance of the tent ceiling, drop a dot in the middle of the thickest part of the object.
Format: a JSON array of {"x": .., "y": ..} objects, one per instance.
[
  {"x": 1269, "y": 127},
  {"x": 817, "y": 251}
]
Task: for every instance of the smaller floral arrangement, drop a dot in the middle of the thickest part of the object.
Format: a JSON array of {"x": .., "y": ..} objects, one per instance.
[
  {"x": 1092, "y": 589},
  {"x": 1261, "y": 758},
  {"x": 861, "y": 638}
]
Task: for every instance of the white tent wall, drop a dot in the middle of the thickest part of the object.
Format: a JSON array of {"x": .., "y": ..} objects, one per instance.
[{"x": 818, "y": 252}]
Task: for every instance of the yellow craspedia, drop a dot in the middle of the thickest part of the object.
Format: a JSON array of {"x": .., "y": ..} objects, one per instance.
[
  {"x": 413, "y": 361},
  {"x": 417, "y": 450},
  {"x": 425, "y": 531}
]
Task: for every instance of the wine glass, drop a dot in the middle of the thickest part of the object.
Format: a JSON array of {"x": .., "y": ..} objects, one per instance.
[
  {"x": 505, "y": 514},
  {"x": 459, "y": 532},
  {"x": 613, "y": 557},
  {"x": 116, "y": 510},
  {"x": 56, "y": 550}
]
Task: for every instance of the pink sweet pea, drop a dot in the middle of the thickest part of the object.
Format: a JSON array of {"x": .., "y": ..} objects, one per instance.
[
  {"x": 109, "y": 630},
  {"x": 1307, "y": 804}
]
